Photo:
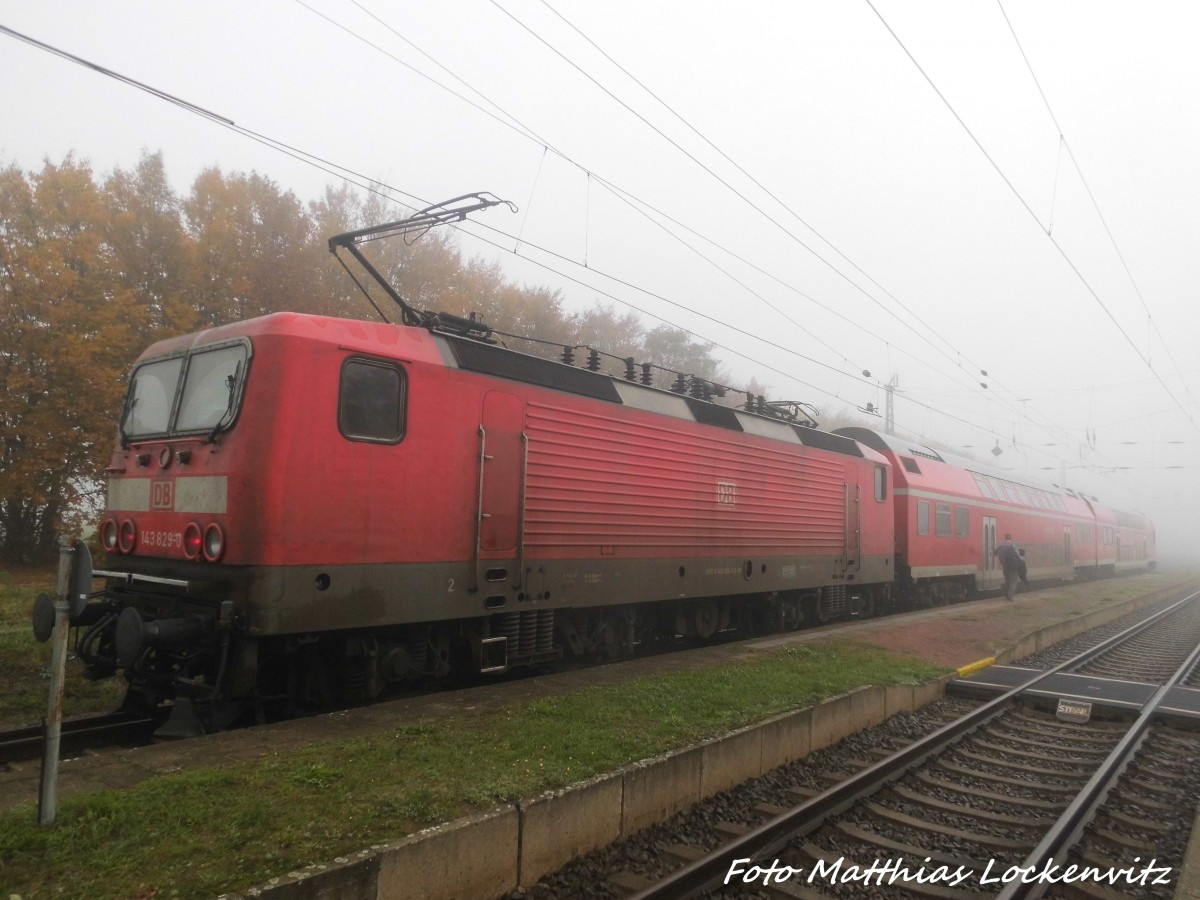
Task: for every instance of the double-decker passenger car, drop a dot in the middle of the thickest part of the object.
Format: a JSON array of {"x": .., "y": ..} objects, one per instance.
[{"x": 951, "y": 514}]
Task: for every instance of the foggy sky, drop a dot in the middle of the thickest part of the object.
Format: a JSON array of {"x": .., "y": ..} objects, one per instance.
[{"x": 859, "y": 187}]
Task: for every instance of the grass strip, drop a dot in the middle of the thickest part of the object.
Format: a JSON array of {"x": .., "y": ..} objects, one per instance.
[
  {"x": 199, "y": 833},
  {"x": 24, "y": 663}
]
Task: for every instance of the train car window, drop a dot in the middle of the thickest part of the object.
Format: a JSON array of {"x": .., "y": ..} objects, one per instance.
[
  {"x": 372, "y": 401},
  {"x": 910, "y": 465},
  {"x": 151, "y": 396},
  {"x": 984, "y": 488},
  {"x": 963, "y": 525},
  {"x": 880, "y": 483},
  {"x": 211, "y": 388},
  {"x": 922, "y": 517},
  {"x": 943, "y": 520}
]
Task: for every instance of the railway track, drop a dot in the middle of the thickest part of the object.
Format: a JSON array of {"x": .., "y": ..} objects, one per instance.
[
  {"x": 78, "y": 735},
  {"x": 1001, "y": 801},
  {"x": 121, "y": 729}
]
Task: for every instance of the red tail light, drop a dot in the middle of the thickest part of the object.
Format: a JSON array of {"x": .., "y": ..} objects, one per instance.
[
  {"x": 192, "y": 542},
  {"x": 127, "y": 537}
]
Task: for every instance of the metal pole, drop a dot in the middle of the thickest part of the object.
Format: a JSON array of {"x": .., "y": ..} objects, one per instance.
[{"x": 48, "y": 800}]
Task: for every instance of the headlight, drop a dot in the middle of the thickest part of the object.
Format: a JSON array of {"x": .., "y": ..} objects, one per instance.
[
  {"x": 108, "y": 535},
  {"x": 214, "y": 542}
]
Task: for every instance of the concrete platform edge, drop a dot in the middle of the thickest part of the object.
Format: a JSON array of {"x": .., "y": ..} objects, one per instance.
[{"x": 518, "y": 837}]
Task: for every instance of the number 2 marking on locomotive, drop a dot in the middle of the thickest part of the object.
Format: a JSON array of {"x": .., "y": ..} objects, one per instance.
[{"x": 450, "y": 588}]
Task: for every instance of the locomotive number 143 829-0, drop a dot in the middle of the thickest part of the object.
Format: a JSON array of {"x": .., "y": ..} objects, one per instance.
[{"x": 167, "y": 540}]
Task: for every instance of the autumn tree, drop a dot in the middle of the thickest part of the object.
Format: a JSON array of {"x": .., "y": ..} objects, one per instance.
[
  {"x": 68, "y": 326},
  {"x": 602, "y": 327},
  {"x": 334, "y": 293},
  {"x": 250, "y": 248},
  {"x": 152, "y": 252},
  {"x": 92, "y": 273}
]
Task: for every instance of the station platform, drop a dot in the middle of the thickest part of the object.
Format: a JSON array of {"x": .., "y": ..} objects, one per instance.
[{"x": 1111, "y": 693}]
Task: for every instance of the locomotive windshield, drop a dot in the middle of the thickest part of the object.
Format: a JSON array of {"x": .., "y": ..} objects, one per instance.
[{"x": 191, "y": 393}]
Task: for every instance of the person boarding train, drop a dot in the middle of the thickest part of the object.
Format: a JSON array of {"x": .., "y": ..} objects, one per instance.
[{"x": 1012, "y": 560}]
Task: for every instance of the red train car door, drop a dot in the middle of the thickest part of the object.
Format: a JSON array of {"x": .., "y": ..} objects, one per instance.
[
  {"x": 853, "y": 523},
  {"x": 501, "y": 486},
  {"x": 991, "y": 575}
]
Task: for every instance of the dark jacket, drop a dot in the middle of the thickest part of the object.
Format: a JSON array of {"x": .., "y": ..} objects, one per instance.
[{"x": 1011, "y": 559}]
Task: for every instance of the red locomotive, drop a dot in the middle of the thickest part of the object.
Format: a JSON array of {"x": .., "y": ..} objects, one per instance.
[
  {"x": 303, "y": 510},
  {"x": 304, "y": 505}
]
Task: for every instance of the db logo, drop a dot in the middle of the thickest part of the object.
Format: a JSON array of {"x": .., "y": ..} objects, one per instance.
[{"x": 162, "y": 494}]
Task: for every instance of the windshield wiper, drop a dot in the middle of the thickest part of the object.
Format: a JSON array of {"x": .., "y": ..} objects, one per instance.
[{"x": 231, "y": 381}]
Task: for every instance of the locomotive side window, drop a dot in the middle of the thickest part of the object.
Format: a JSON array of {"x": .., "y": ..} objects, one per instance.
[
  {"x": 963, "y": 523},
  {"x": 372, "y": 401},
  {"x": 922, "y": 517},
  {"x": 880, "y": 483}
]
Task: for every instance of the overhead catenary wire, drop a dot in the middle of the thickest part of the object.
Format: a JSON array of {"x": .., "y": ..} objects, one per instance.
[
  {"x": 1063, "y": 143},
  {"x": 340, "y": 171},
  {"x": 524, "y": 131},
  {"x": 1021, "y": 200},
  {"x": 343, "y": 172},
  {"x": 627, "y": 197},
  {"x": 740, "y": 195},
  {"x": 532, "y": 135},
  {"x": 332, "y": 168},
  {"x": 1020, "y": 411}
]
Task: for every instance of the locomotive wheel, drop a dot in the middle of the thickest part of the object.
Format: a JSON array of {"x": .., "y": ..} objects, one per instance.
[
  {"x": 706, "y": 617},
  {"x": 439, "y": 654},
  {"x": 793, "y": 615},
  {"x": 605, "y": 641},
  {"x": 819, "y": 609}
]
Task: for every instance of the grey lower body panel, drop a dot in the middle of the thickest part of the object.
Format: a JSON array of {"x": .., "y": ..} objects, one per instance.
[{"x": 303, "y": 599}]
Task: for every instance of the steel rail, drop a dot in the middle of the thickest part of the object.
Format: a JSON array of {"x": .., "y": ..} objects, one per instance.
[
  {"x": 1066, "y": 832},
  {"x": 761, "y": 843},
  {"x": 24, "y": 744}
]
